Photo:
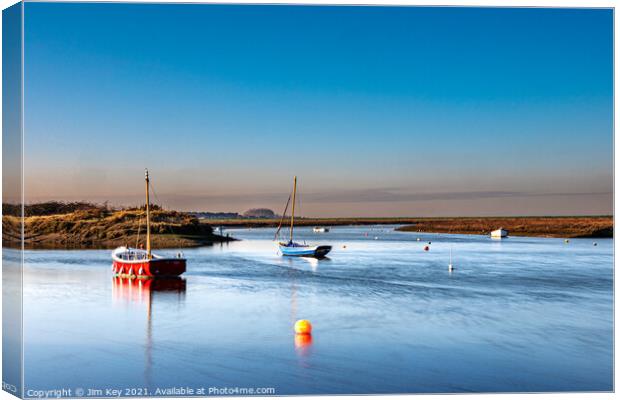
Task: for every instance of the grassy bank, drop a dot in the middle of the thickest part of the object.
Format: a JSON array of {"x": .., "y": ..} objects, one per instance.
[
  {"x": 568, "y": 227},
  {"x": 517, "y": 226},
  {"x": 99, "y": 227}
]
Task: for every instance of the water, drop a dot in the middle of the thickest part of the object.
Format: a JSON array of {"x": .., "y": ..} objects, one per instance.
[{"x": 522, "y": 314}]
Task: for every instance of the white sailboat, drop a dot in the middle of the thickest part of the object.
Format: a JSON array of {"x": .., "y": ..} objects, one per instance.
[{"x": 291, "y": 248}]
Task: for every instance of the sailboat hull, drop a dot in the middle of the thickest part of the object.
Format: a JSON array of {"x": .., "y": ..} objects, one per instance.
[
  {"x": 151, "y": 268},
  {"x": 133, "y": 262},
  {"x": 297, "y": 250}
]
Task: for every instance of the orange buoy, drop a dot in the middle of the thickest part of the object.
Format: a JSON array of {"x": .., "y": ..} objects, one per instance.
[
  {"x": 426, "y": 248},
  {"x": 303, "y": 326}
]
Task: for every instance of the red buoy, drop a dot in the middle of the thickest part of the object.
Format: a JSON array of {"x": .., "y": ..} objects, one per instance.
[{"x": 303, "y": 326}]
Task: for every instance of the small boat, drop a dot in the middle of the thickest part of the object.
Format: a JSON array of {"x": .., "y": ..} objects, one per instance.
[
  {"x": 133, "y": 262},
  {"x": 291, "y": 248},
  {"x": 320, "y": 229},
  {"x": 499, "y": 233},
  {"x": 302, "y": 250}
]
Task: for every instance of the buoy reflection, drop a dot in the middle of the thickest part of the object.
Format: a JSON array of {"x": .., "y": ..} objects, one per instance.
[{"x": 303, "y": 343}]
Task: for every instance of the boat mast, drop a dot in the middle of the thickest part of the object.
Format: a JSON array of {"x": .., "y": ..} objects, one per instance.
[
  {"x": 148, "y": 217},
  {"x": 293, "y": 211}
]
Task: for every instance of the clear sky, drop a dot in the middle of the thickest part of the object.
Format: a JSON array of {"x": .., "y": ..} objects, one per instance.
[{"x": 379, "y": 110}]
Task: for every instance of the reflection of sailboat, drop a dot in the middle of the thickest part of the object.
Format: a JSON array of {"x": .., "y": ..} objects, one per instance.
[
  {"x": 142, "y": 291},
  {"x": 142, "y": 263},
  {"x": 292, "y": 248}
]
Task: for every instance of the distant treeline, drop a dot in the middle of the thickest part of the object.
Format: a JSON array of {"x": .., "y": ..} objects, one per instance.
[
  {"x": 215, "y": 215},
  {"x": 67, "y": 207},
  {"x": 251, "y": 213},
  {"x": 48, "y": 208},
  {"x": 62, "y": 207}
]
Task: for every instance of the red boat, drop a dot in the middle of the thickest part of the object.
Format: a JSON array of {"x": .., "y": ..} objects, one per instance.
[
  {"x": 130, "y": 262},
  {"x": 127, "y": 261}
]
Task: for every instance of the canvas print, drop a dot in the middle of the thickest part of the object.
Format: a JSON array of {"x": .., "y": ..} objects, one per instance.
[{"x": 229, "y": 199}]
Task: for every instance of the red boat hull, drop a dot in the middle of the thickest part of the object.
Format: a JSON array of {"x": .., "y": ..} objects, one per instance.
[{"x": 156, "y": 267}]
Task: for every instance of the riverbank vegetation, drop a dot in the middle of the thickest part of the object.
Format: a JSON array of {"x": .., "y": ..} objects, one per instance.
[
  {"x": 86, "y": 225},
  {"x": 568, "y": 227}
]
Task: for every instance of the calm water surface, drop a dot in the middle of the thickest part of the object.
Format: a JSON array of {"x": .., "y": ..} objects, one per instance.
[{"x": 522, "y": 314}]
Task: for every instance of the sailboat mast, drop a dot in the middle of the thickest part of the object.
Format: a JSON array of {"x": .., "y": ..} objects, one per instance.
[
  {"x": 148, "y": 216},
  {"x": 293, "y": 211}
]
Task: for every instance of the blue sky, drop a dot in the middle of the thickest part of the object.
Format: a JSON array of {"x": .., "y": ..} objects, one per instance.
[{"x": 378, "y": 110}]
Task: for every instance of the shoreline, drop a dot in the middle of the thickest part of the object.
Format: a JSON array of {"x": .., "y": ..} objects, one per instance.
[
  {"x": 160, "y": 242},
  {"x": 107, "y": 229},
  {"x": 563, "y": 226}
]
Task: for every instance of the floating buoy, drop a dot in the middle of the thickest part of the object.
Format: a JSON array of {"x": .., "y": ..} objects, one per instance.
[
  {"x": 427, "y": 248},
  {"x": 594, "y": 244},
  {"x": 344, "y": 246},
  {"x": 376, "y": 237},
  {"x": 418, "y": 239},
  {"x": 303, "y": 326},
  {"x": 566, "y": 240},
  {"x": 429, "y": 242}
]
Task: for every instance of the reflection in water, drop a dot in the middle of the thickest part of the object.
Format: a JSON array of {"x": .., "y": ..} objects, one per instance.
[
  {"x": 143, "y": 291},
  {"x": 314, "y": 262},
  {"x": 387, "y": 317},
  {"x": 303, "y": 343},
  {"x": 223, "y": 245}
]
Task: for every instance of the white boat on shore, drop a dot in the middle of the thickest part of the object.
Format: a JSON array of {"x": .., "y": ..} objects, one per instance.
[{"x": 499, "y": 233}]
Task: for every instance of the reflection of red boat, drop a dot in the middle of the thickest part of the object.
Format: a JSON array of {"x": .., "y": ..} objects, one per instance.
[
  {"x": 141, "y": 290},
  {"x": 127, "y": 261},
  {"x": 144, "y": 292}
]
